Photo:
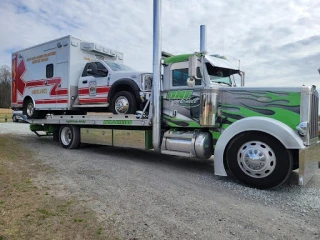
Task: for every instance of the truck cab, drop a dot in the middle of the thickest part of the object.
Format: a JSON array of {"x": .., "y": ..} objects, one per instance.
[{"x": 185, "y": 76}]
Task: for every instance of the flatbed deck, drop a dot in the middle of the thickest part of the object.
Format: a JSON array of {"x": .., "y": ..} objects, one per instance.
[{"x": 98, "y": 120}]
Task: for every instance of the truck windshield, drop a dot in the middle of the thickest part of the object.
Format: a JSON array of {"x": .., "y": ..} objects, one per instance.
[
  {"x": 225, "y": 80},
  {"x": 118, "y": 66},
  {"x": 219, "y": 75}
]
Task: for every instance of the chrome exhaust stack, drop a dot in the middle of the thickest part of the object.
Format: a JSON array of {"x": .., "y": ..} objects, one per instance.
[
  {"x": 203, "y": 39},
  {"x": 155, "y": 104}
]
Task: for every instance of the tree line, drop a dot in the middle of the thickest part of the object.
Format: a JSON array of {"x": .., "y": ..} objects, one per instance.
[{"x": 5, "y": 86}]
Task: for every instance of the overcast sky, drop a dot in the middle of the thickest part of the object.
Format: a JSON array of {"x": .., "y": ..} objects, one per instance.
[{"x": 278, "y": 42}]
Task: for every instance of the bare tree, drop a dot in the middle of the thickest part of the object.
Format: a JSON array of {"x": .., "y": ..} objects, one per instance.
[{"x": 5, "y": 86}]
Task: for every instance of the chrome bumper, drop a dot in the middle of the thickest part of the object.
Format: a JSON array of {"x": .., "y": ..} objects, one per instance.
[{"x": 308, "y": 162}]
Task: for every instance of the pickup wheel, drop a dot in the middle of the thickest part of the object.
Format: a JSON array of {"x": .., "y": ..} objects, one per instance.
[
  {"x": 123, "y": 103},
  {"x": 69, "y": 136},
  {"x": 259, "y": 160}
]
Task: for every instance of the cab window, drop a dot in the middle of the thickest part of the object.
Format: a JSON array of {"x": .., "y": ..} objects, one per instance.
[{"x": 180, "y": 77}]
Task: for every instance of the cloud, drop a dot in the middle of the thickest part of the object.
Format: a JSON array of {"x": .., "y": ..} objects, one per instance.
[{"x": 277, "y": 41}]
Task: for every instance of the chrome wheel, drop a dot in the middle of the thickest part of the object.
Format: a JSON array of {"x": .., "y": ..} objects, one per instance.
[
  {"x": 66, "y": 136},
  {"x": 256, "y": 159},
  {"x": 121, "y": 105}
]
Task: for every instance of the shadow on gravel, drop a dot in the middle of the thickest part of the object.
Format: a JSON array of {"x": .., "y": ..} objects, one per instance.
[
  {"x": 192, "y": 165},
  {"x": 151, "y": 157}
]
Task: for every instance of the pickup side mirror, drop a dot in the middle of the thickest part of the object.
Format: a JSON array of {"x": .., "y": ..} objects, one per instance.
[{"x": 103, "y": 72}]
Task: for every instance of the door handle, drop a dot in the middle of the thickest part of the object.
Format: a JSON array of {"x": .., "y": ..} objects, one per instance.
[{"x": 85, "y": 81}]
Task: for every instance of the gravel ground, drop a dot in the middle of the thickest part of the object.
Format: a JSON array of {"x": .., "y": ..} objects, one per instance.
[{"x": 151, "y": 196}]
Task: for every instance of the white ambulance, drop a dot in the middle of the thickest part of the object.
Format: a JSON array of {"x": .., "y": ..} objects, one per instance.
[{"x": 73, "y": 76}]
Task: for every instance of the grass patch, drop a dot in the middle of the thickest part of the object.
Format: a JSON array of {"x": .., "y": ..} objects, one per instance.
[
  {"x": 5, "y": 113},
  {"x": 29, "y": 212},
  {"x": 6, "y": 110},
  {"x": 4, "y": 116}
]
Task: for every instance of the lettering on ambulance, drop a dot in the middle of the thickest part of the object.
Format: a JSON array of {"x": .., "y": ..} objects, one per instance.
[
  {"x": 21, "y": 84},
  {"x": 41, "y": 58},
  {"x": 39, "y": 91}
]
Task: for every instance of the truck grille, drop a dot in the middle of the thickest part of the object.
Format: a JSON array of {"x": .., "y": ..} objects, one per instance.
[{"x": 314, "y": 106}]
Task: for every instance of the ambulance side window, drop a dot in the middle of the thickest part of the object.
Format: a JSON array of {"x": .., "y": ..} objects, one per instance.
[
  {"x": 49, "y": 71},
  {"x": 85, "y": 73},
  {"x": 95, "y": 69},
  {"x": 101, "y": 70}
]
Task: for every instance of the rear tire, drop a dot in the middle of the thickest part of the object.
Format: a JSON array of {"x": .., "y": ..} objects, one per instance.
[
  {"x": 259, "y": 160},
  {"x": 123, "y": 103},
  {"x": 69, "y": 136},
  {"x": 29, "y": 111}
]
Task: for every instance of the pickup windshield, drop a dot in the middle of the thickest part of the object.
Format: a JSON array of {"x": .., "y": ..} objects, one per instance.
[{"x": 118, "y": 66}]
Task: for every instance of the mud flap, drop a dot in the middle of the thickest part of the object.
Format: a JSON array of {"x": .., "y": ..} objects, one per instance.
[{"x": 308, "y": 163}]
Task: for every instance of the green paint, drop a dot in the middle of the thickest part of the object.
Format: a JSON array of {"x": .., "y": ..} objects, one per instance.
[
  {"x": 215, "y": 135},
  {"x": 176, "y": 122},
  {"x": 148, "y": 139},
  {"x": 117, "y": 122},
  {"x": 291, "y": 98},
  {"x": 46, "y": 128},
  {"x": 179, "y": 94},
  {"x": 35, "y": 128},
  {"x": 287, "y": 117},
  {"x": 177, "y": 58},
  {"x": 50, "y": 128}
]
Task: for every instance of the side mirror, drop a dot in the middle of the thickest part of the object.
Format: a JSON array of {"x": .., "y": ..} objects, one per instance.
[
  {"x": 242, "y": 78},
  {"x": 191, "y": 82},
  {"x": 193, "y": 66},
  {"x": 192, "y": 71},
  {"x": 103, "y": 72}
]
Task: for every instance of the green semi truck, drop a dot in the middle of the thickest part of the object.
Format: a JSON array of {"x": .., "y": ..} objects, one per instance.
[{"x": 259, "y": 135}]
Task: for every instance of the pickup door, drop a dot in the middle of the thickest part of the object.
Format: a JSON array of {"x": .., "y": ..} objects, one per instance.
[{"x": 93, "y": 84}]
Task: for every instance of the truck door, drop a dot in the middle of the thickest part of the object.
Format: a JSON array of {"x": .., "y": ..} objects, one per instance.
[
  {"x": 181, "y": 104},
  {"x": 93, "y": 85}
]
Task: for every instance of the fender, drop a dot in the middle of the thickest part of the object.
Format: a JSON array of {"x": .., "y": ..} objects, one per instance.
[
  {"x": 125, "y": 83},
  {"x": 28, "y": 96},
  {"x": 287, "y": 136}
]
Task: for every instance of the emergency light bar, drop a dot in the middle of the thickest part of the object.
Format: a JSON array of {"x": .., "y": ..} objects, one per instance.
[{"x": 92, "y": 47}]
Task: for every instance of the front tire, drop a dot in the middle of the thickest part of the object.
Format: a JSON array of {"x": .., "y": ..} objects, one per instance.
[
  {"x": 259, "y": 160},
  {"x": 123, "y": 103},
  {"x": 69, "y": 136}
]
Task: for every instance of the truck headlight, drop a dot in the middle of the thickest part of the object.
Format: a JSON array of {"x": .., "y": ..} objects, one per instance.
[
  {"x": 302, "y": 128},
  {"x": 146, "y": 82}
]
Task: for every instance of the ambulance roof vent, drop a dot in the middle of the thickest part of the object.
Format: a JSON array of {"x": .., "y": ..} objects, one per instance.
[{"x": 92, "y": 47}]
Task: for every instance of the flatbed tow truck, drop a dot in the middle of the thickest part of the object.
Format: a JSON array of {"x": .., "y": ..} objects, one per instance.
[{"x": 258, "y": 135}]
